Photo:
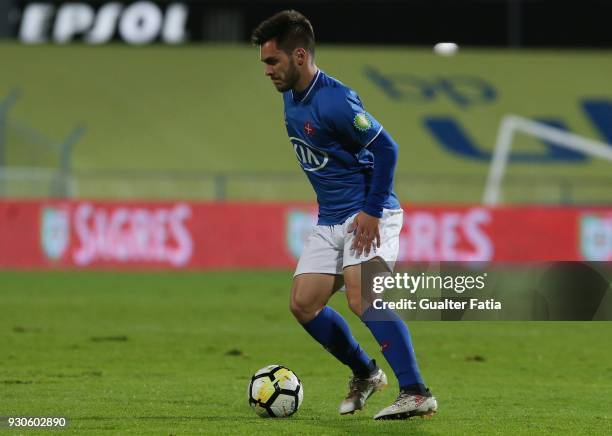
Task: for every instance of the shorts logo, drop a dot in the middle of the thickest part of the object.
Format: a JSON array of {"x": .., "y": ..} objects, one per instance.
[
  {"x": 309, "y": 157},
  {"x": 362, "y": 122}
]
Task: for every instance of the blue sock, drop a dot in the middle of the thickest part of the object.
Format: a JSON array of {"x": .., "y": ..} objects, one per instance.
[
  {"x": 332, "y": 331},
  {"x": 394, "y": 339}
]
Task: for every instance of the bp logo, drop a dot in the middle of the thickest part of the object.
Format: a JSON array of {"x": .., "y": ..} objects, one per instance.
[
  {"x": 362, "y": 122},
  {"x": 310, "y": 158},
  {"x": 54, "y": 232}
]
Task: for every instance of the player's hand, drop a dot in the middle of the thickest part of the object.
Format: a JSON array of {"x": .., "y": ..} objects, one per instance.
[{"x": 365, "y": 229}]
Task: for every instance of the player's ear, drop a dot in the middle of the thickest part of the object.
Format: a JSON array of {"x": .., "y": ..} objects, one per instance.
[{"x": 300, "y": 56}]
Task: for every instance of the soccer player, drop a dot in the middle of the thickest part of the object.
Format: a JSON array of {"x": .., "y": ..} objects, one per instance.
[{"x": 349, "y": 159}]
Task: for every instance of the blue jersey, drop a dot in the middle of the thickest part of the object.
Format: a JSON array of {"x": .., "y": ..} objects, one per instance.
[{"x": 330, "y": 132}]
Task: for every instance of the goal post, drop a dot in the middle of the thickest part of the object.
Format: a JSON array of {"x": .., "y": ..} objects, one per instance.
[{"x": 503, "y": 144}]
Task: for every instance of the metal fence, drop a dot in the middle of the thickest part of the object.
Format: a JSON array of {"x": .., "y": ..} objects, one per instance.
[{"x": 287, "y": 186}]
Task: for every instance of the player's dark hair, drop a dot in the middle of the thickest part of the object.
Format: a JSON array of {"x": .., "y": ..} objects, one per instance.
[{"x": 289, "y": 28}]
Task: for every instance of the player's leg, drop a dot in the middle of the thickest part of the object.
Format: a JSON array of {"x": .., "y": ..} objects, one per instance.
[
  {"x": 393, "y": 336},
  {"x": 309, "y": 296},
  {"x": 389, "y": 330},
  {"x": 318, "y": 275},
  {"x": 385, "y": 325}
]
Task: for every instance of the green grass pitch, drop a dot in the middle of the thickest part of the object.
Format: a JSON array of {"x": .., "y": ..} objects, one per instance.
[{"x": 172, "y": 353}]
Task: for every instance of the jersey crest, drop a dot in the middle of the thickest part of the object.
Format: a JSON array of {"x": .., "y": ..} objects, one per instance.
[{"x": 309, "y": 129}]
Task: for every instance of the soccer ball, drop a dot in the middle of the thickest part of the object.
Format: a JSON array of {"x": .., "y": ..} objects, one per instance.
[{"x": 275, "y": 392}]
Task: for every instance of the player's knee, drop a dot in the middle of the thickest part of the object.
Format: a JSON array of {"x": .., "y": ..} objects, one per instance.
[
  {"x": 301, "y": 309},
  {"x": 295, "y": 308}
]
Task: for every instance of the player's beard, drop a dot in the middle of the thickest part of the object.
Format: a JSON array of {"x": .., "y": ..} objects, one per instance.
[{"x": 292, "y": 75}]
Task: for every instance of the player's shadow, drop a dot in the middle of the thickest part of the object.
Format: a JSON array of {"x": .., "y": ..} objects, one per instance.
[{"x": 569, "y": 291}]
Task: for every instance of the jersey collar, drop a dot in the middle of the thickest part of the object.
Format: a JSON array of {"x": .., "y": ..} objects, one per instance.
[{"x": 312, "y": 84}]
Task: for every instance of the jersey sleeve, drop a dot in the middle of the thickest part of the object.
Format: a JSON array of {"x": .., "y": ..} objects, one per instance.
[{"x": 346, "y": 116}]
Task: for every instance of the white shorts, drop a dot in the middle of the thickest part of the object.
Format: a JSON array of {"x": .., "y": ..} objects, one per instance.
[{"x": 328, "y": 248}]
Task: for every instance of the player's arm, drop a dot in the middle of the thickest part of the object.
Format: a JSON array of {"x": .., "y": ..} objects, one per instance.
[
  {"x": 365, "y": 225},
  {"x": 360, "y": 129},
  {"x": 384, "y": 149}
]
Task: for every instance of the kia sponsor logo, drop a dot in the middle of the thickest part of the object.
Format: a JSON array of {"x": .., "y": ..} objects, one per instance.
[
  {"x": 137, "y": 23},
  {"x": 447, "y": 236},
  {"x": 309, "y": 157}
]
